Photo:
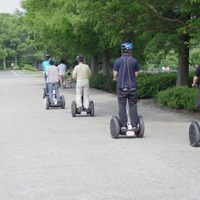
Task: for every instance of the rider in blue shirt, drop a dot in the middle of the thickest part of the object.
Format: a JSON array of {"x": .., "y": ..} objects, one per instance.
[
  {"x": 125, "y": 72},
  {"x": 46, "y": 64}
]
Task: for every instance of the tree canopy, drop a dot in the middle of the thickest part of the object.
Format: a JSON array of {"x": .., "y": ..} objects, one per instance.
[{"x": 163, "y": 32}]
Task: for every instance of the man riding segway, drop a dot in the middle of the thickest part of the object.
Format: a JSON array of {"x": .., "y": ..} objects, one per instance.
[{"x": 125, "y": 71}]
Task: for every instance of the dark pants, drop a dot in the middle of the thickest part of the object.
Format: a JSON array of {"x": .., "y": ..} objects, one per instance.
[
  {"x": 131, "y": 96},
  {"x": 46, "y": 84}
]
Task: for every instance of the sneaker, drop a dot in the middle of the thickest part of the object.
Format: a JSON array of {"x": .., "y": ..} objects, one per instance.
[{"x": 123, "y": 129}]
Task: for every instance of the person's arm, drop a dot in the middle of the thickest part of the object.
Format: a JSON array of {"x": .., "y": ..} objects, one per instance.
[
  {"x": 58, "y": 68},
  {"x": 89, "y": 72},
  {"x": 137, "y": 69},
  {"x": 115, "y": 70},
  {"x": 195, "y": 80},
  {"x": 115, "y": 75},
  {"x": 47, "y": 73},
  {"x": 66, "y": 68},
  {"x": 74, "y": 73}
]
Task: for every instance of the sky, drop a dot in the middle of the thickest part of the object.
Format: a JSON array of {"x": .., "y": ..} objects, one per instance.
[{"x": 9, "y": 6}]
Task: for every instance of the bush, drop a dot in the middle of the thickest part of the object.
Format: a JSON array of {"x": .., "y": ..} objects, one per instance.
[
  {"x": 150, "y": 84},
  {"x": 17, "y": 68},
  {"x": 29, "y": 68},
  {"x": 181, "y": 97},
  {"x": 103, "y": 82}
]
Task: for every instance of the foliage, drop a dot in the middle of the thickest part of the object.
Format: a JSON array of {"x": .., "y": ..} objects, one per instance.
[
  {"x": 150, "y": 84},
  {"x": 157, "y": 28},
  {"x": 29, "y": 68},
  {"x": 17, "y": 68},
  {"x": 178, "y": 97},
  {"x": 103, "y": 82},
  {"x": 195, "y": 55},
  {"x": 16, "y": 40}
]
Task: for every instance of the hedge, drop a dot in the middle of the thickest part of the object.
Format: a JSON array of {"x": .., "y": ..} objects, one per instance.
[
  {"x": 148, "y": 84},
  {"x": 161, "y": 86},
  {"x": 181, "y": 97}
]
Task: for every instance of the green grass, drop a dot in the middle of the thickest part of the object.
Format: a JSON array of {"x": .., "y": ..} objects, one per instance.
[{"x": 31, "y": 73}]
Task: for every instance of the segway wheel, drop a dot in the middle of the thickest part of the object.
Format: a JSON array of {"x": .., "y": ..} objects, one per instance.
[
  {"x": 91, "y": 108},
  {"x": 114, "y": 127},
  {"x": 194, "y": 134},
  {"x": 47, "y": 103},
  {"x": 73, "y": 109},
  {"x": 140, "y": 132},
  {"x": 62, "y": 98},
  {"x": 44, "y": 93}
]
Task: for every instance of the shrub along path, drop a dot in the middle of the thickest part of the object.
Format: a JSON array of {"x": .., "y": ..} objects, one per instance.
[{"x": 152, "y": 102}]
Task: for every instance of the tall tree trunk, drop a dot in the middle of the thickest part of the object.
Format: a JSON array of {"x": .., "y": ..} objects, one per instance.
[
  {"x": 183, "y": 62},
  {"x": 4, "y": 64},
  {"x": 94, "y": 64},
  {"x": 106, "y": 63}
]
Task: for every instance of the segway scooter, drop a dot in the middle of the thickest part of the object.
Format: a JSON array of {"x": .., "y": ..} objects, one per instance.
[
  {"x": 55, "y": 101},
  {"x": 194, "y": 134},
  {"x": 82, "y": 111},
  {"x": 115, "y": 127}
]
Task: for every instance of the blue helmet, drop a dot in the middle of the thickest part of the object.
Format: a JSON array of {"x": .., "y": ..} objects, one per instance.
[{"x": 127, "y": 47}]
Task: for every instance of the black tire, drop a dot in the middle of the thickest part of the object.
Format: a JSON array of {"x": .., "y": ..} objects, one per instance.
[
  {"x": 44, "y": 93},
  {"x": 194, "y": 134},
  {"x": 73, "y": 109},
  {"x": 91, "y": 106},
  {"x": 62, "y": 98},
  {"x": 47, "y": 103},
  {"x": 140, "y": 132},
  {"x": 115, "y": 127}
]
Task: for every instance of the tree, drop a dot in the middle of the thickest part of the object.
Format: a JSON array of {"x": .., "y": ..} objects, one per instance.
[
  {"x": 96, "y": 28},
  {"x": 15, "y": 39},
  {"x": 170, "y": 24}
]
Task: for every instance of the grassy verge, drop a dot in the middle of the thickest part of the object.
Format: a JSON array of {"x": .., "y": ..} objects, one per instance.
[{"x": 32, "y": 73}]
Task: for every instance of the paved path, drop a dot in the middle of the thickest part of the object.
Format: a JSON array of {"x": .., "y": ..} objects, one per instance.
[{"x": 48, "y": 155}]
